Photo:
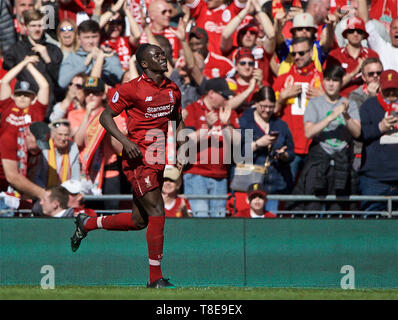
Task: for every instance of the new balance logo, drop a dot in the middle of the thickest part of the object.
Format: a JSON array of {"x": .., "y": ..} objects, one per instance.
[{"x": 148, "y": 98}]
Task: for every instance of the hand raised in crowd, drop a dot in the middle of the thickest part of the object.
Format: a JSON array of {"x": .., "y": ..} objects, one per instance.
[
  {"x": 258, "y": 76},
  {"x": 225, "y": 114},
  {"x": 179, "y": 33},
  {"x": 31, "y": 59},
  {"x": 41, "y": 50},
  {"x": 373, "y": 88},
  {"x": 293, "y": 11},
  {"x": 281, "y": 154},
  {"x": 331, "y": 19},
  {"x": 211, "y": 118},
  {"x": 387, "y": 123}
]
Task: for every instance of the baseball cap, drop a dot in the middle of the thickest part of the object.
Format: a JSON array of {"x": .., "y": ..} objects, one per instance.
[
  {"x": 41, "y": 132},
  {"x": 25, "y": 86},
  {"x": 355, "y": 23},
  {"x": 94, "y": 84},
  {"x": 389, "y": 79},
  {"x": 303, "y": 20},
  {"x": 77, "y": 186},
  {"x": 172, "y": 173},
  {"x": 256, "y": 189},
  {"x": 220, "y": 86},
  {"x": 199, "y": 33},
  {"x": 244, "y": 53}
]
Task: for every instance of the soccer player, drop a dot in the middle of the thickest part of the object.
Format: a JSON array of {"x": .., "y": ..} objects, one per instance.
[{"x": 150, "y": 101}]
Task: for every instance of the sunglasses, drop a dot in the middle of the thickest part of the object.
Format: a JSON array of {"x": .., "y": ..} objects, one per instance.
[
  {"x": 58, "y": 124},
  {"x": 68, "y": 28},
  {"x": 300, "y": 53},
  {"x": 252, "y": 32},
  {"x": 95, "y": 93},
  {"x": 351, "y": 31},
  {"x": 303, "y": 28},
  {"x": 249, "y": 63},
  {"x": 374, "y": 73},
  {"x": 165, "y": 11}
]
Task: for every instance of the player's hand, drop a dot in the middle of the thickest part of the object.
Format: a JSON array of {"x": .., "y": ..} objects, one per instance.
[{"x": 132, "y": 150}]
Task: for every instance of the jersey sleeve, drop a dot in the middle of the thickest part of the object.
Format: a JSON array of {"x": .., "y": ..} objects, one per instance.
[{"x": 121, "y": 98}]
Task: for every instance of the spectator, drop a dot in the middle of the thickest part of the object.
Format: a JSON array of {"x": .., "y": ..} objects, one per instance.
[
  {"x": 67, "y": 37},
  {"x": 384, "y": 11},
  {"x": 378, "y": 172},
  {"x": 257, "y": 198},
  {"x": 19, "y": 7},
  {"x": 207, "y": 175},
  {"x": 114, "y": 34},
  {"x": 61, "y": 161},
  {"x": 371, "y": 70},
  {"x": 77, "y": 189},
  {"x": 388, "y": 51},
  {"x": 351, "y": 56},
  {"x": 50, "y": 56},
  {"x": 216, "y": 65},
  {"x": 332, "y": 122},
  {"x": 90, "y": 55},
  {"x": 293, "y": 90},
  {"x": 272, "y": 143},
  {"x": 77, "y": 10},
  {"x": 27, "y": 104},
  {"x": 55, "y": 203},
  {"x": 99, "y": 150},
  {"x": 213, "y": 16},
  {"x": 72, "y": 106},
  {"x": 18, "y": 160},
  {"x": 246, "y": 71},
  {"x": 8, "y": 36},
  {"x": 174, "y": 206},
  {"x": 258, "y": 35},
  {"x": 159, "y": 12},
  {"x": 303, "y": 27}
]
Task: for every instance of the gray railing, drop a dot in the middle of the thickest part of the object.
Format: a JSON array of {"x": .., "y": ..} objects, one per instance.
[{"x": 297, "y": 198}]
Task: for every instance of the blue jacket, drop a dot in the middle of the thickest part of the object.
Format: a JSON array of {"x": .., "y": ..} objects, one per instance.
[
  {"x": 379, "y": 161},
  {"x": 279, "y": 178}
]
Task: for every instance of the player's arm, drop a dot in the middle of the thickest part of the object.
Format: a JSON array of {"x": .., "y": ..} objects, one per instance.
[{"x": 107, "y": 121}]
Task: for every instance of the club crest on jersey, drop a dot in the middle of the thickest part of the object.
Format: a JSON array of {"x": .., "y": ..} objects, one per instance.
[
  {"x": 115, "y": 97},
  {"x": 148, "y": 99}
]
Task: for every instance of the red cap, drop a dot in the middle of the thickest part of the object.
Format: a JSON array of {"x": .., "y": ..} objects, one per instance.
[
  {"x": 389, "y": 79},
  {"x": 256, "y": 189},
  {"x": 355, "y": 23},
  {"x": 244, "y": 53}
]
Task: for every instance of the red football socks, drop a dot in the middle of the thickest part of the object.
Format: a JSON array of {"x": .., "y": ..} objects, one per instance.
[
  {"x": 154, "y": 238},
  {"x": 122, "y": 222}
]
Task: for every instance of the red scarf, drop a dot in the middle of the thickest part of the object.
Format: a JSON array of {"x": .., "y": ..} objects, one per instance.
[
  {"x": 387, "y": 106},
  {"x": 305, "y": 71}
]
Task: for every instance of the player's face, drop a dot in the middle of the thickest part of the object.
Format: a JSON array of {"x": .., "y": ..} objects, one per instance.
[
  {"x": 265, "y": 109},
  {"x": 61, "y": 136},
  {"x": 371, "y": 73},
  {"x": 156, "y": 59},
  {"x": 35, "y": 29},
  {"x": 332, "y": 87},
  {"x": 47, "y": 205},
  {"x": 89, "y": 40},
  {"x": 394, "y": 32}
]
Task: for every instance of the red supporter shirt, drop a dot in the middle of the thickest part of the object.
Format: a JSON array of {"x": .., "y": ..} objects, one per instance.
[
  {"x": 122, "y": 47},
  {"x": 340, "y": 56},
  {"x": 174, "y": 210},
  {"x": 13, "y": 117},
  {"x": 293, "y": 111},
  {"x": 196, "y": 119},
  {"x": 217, "y": 66},
  {"x": 149, "y": 108},
  {"x": 214, "y": 20}
]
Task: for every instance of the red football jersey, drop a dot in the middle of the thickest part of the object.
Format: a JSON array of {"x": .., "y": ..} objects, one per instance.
[
  {"x": 174, "y": 210},
  {"x": 214, "y": 20},
  {"x": 149, "y": 108},
  {"x": 217, "y": 66}
]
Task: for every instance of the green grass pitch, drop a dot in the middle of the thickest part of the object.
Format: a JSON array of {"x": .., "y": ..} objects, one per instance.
[{"x": 190, "y": 293}]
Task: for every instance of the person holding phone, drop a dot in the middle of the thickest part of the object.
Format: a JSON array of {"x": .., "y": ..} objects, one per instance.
[{"x": 272, "y": 143}]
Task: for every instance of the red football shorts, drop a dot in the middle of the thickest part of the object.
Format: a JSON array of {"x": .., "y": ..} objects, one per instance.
[{"x": 143, "y": 177}]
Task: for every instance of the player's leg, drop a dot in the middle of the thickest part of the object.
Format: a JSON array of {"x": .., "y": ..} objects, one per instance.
[{"x": 153, "y": 205}]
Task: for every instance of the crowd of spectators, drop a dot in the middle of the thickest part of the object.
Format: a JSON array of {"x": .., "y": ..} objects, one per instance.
[{"x": 307, "y": 87}]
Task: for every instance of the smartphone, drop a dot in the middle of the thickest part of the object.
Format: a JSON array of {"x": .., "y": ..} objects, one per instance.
[{"x": 274, "y": 133}]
